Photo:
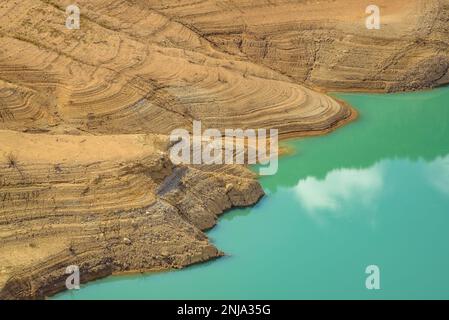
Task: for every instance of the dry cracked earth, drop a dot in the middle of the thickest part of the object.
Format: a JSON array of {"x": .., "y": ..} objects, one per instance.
[{"x": 85, "y": 116}]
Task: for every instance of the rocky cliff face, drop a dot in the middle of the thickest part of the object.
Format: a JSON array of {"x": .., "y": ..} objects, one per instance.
[
  {"x": 132, "y": 69},
  {"x": 85, "y": 115},
  {"x": 326, "y": 44},
  {"x": 106, "y": 204}
]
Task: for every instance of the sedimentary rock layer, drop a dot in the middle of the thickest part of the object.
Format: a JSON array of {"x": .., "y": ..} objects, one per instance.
[
  {"x": 132, "y": 69},
  {"x": 85, "y": 177},
  {"x": 106, "y": 204},
  {"x": 326, "y": 43}
]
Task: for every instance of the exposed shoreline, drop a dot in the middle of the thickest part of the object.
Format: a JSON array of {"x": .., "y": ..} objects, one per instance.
[
  {"x": 85, "y": 175},
  {"x": 49, "y": 289},
  {"x": 253, "y": 193},
  {"x": 353, "y": 117},
  {"x": 343, "y": 122}
]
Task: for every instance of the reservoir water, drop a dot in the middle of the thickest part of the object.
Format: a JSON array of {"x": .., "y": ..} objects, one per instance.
[{"x": 375, "y": 192}]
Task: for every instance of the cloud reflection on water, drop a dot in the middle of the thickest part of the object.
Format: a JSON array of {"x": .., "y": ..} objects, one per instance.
[
  {"x": 347, "y": 188},
  {"x": 340, "y": 188},
  {"x": 437, "y": 173}
]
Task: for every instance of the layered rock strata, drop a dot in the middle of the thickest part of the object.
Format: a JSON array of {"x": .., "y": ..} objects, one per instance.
[{"x": 85, "y": 116}]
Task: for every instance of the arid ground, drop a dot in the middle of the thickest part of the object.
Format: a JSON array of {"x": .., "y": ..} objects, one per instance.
[{"x": 85, "y": 116}]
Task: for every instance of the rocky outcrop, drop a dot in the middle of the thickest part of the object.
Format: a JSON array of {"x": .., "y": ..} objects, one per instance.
[
  {"x": 108, "y": 204},
  {"x": 132, "y": 69},
  {"x": 85, "y": 177},
  {"x": 84, "y": 119},
  {"x": 325, "y": 43}
]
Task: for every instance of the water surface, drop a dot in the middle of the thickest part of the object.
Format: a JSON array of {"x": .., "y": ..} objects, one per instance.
[{"x": 375, "y": 192}]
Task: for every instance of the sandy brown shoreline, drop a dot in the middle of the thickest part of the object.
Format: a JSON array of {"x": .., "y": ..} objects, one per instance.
[
  {"x": 284, "y": 137},
  {"x": 85, "y": 176},
  {"x": 245, "y": 193}
]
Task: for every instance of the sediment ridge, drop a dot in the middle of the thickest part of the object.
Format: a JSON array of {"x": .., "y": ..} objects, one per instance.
[{"x": 85, "y": 117}]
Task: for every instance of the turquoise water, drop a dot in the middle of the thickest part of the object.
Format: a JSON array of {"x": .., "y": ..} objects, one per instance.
[{"x": 375, "y": 192}]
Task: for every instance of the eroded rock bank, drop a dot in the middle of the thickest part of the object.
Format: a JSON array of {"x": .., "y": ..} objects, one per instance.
[
  {"x": 326, "y": 43},
  {"x": 106, "y": 206},
  {"x": 85, "y": 177}
]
